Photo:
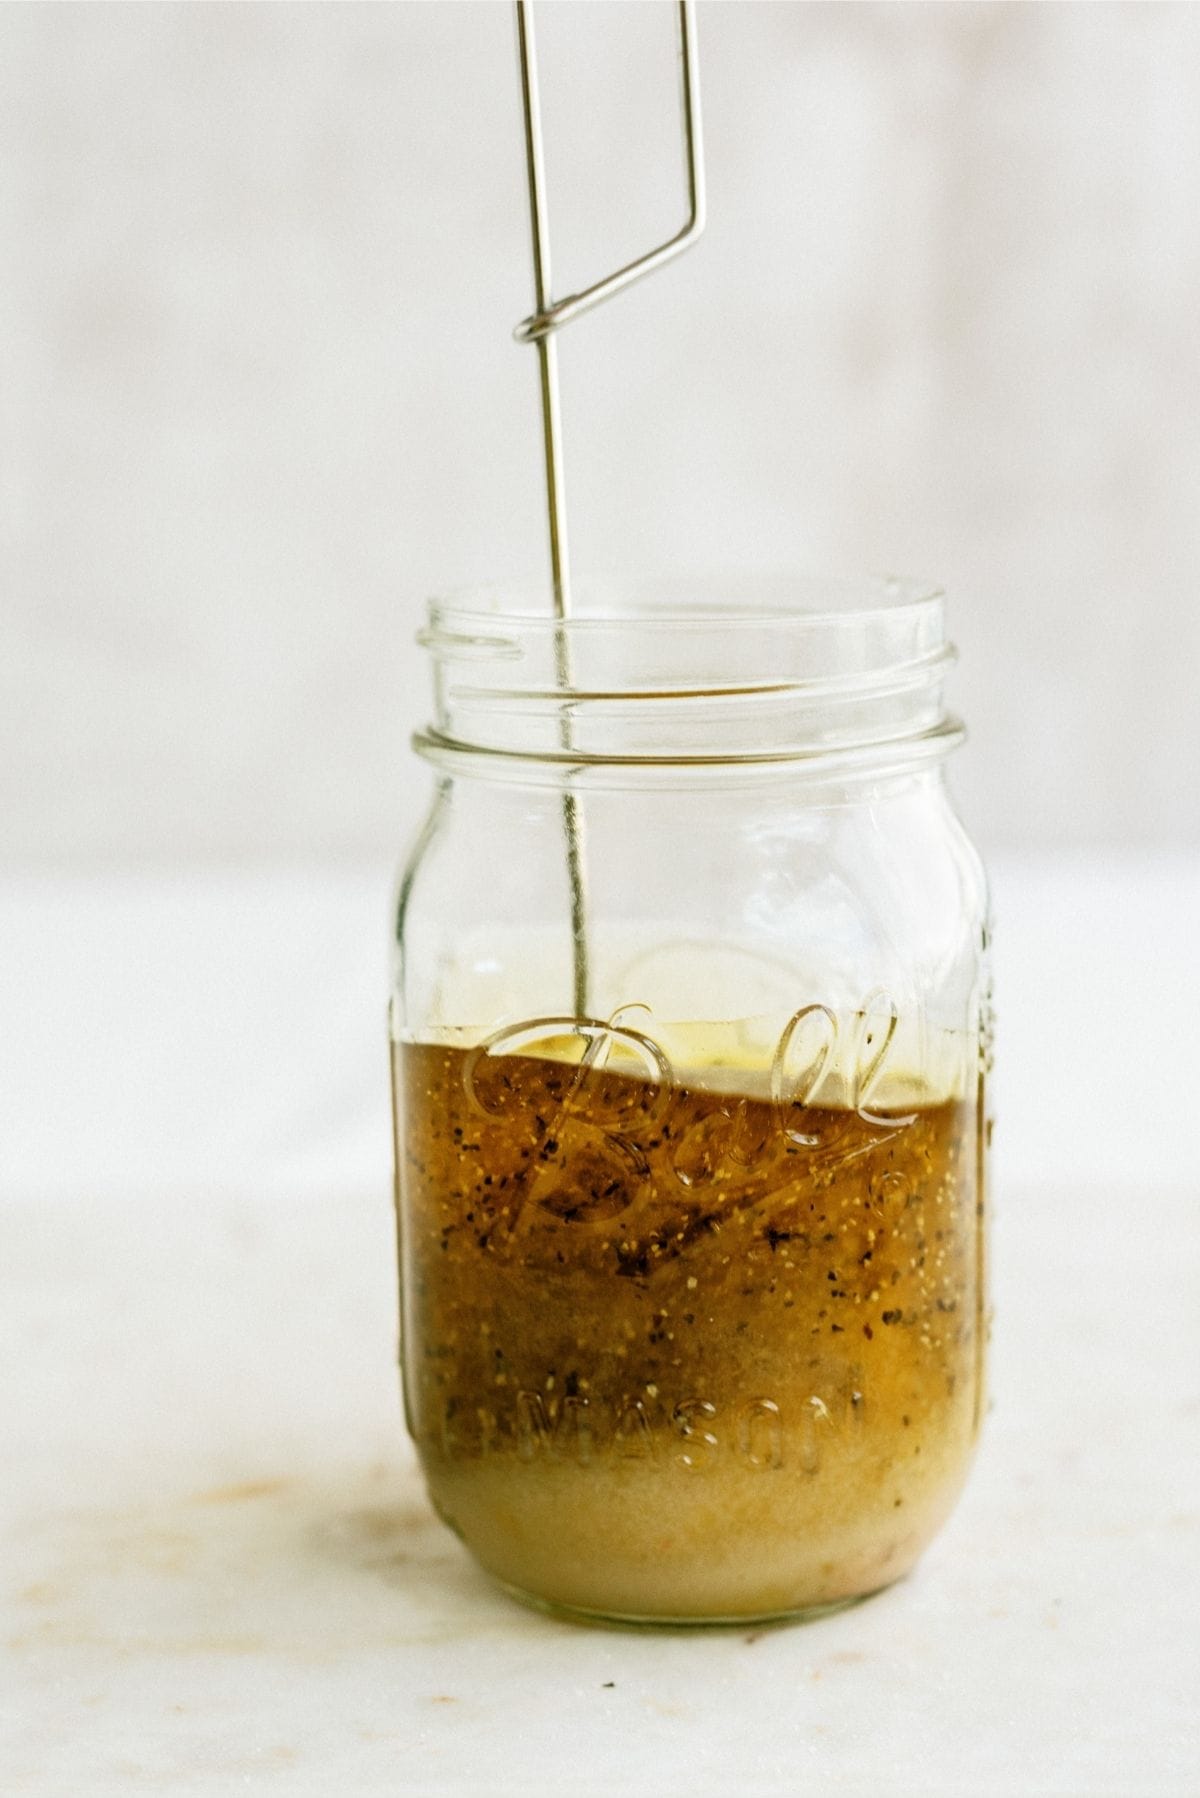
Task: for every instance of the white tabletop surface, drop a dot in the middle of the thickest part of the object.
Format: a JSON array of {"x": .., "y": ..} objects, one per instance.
[{"x": 219, "y": 1571}]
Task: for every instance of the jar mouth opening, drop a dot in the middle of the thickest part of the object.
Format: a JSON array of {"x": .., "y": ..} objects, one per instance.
[
  {"x": 737, "y": 602},
  {"x": 738, "y": 668}
]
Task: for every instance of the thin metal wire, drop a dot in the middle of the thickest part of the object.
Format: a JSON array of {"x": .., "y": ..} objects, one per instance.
[
  {"x": 547, "y": 318},
  {"x": 556, "y": 501},
  {"x": 547, "y": 349}
]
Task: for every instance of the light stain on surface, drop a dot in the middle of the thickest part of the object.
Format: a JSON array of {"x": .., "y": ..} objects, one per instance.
[{"x": 241, "y": 1493}]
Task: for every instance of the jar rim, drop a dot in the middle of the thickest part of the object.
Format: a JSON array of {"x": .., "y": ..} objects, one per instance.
[
  {"x": 840, "y": 766},
  {"x": 701, "y": 670},
  {"x": 713, "y": 600}
]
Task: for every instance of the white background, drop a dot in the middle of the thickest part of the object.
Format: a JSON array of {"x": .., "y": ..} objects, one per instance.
[{"x": 260, "y": 266}]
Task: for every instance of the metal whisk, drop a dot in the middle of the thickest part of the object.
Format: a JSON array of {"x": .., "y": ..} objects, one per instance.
[{"x": 539, "y": 328}]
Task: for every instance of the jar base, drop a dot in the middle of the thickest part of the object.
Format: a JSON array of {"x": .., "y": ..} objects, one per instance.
[{"x": 772, "y": 1619}]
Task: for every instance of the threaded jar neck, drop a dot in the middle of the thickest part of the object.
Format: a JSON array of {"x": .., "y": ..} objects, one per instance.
[{"x": 738, "y": 674}]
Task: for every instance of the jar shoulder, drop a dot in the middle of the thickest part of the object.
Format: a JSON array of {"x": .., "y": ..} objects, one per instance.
[{"x": 748, "y": 903}]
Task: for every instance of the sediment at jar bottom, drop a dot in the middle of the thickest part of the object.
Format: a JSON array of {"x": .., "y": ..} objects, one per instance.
[
  {"x": 631, "y": 1544},
  {"x": 674, "y": 1352}
]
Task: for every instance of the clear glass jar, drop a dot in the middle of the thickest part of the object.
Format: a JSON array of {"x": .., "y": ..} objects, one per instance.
[{"x": 692, "y": 1226}]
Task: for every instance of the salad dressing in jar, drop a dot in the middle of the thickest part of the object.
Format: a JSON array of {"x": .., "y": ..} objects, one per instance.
[{"x": 692, "y": 1278}]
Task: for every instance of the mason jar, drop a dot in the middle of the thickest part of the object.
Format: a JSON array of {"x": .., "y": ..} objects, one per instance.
[{"x": 690, "y": 1029}]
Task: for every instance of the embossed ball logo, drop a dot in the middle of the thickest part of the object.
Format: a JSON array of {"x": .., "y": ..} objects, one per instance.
[{"x": 611, "y": 1114}]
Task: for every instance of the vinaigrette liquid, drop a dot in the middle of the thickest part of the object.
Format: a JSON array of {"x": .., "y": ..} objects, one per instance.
[{"x": 684, "y": 1354}]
